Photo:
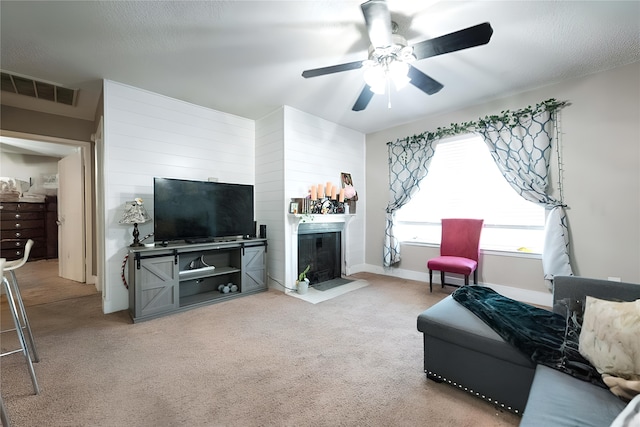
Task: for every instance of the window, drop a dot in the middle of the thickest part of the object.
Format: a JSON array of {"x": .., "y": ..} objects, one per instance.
[{"x": 464, "y": 182}]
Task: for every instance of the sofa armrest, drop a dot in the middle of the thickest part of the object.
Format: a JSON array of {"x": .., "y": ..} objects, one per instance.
[{"x": 577, "y": 288}]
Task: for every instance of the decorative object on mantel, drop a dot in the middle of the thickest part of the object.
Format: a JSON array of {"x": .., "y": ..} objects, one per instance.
[
  {"x": 350, "y": 193},
  {"x": 327, "y": 199},
  {"x": 323, "y": 206},
  {"x": 135, "y": 213},
  {"x": 302, "y": 284}
]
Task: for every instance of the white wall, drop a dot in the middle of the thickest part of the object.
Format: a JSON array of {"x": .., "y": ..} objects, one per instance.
[
  {"x": 269, "y": 189},
  {"x": 23, "y": 167},
  {"x": 147, "y": 135},
  {"x": 295, "y": 150},
  {"x": 283, "y": 154},
  {"x": 601, "y": 153}
]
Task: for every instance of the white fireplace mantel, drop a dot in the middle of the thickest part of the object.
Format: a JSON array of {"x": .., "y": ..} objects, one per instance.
[{"x": 296, "y": 219}]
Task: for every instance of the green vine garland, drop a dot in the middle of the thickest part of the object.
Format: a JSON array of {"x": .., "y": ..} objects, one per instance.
[{"x": 509, "y": 118}]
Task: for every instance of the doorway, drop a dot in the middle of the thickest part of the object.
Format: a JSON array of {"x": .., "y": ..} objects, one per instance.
[{"x": 26, "y": 151}]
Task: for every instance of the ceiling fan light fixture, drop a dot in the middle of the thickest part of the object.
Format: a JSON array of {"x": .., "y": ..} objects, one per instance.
[
  {"x": 376, "y": 77},
  {"x": 398, "y": 71},
  {"x": 406, "y": 54}
]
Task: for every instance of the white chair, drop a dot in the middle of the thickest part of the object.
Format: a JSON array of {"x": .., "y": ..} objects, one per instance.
[
  {"x": 24, "y": 348},
  {"x": 10, "y": 267}
]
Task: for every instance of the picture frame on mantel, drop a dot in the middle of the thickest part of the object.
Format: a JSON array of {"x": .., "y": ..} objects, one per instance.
[
  {"x": 346, "y": 179},
  {"x": 294, "y": 208}
]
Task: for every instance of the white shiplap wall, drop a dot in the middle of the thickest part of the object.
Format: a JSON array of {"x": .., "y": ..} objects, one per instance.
[
  {"x": 269, "y": 189},
  {"x": 295, "y": 150},
  {"x": 147, "y": 135}
]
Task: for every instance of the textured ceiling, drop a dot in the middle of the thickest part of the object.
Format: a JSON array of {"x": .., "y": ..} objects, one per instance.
[{"x": 246, "y": 57}]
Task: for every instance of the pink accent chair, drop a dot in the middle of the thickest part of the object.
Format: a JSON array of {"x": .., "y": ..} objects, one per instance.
[{"x": 459, "y": 250}]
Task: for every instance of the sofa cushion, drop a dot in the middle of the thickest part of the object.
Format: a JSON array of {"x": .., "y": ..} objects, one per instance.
[
  {"x": 450, "y": 321},
  {"x": 558, "y": 399}
]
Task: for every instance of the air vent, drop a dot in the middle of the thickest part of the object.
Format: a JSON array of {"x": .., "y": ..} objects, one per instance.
[{"x": 38, "y": 89}]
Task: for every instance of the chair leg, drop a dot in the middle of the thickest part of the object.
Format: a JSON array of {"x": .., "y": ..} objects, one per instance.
[
  {"x": 442, "y": 278},
  {"x": 4, "y": 417},
  {"x": 23, "y": 342},
  {"x": 466, "y": 279},
  {"x": 430, "y": 280},
  {"x": 475, "y": 277},
  {"x": 23, "y": 313}
]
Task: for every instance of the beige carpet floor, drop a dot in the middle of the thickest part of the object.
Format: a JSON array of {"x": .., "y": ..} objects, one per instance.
[{"x": 262, "y": 360}]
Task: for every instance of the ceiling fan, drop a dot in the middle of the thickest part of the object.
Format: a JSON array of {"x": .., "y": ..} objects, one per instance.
[{"x": 390, "y": 55}]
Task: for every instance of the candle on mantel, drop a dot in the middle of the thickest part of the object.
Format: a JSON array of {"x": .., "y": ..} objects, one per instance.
[
  {"x": 314, "y": 192},
  {"x": 334, "y": 190},
  {"x": 320, "y": 191},
  {"x": 328, "y": 189},
  {"x": 341, "y": 197}
]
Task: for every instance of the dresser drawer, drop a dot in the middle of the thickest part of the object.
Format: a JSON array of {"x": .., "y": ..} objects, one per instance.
[
  {"x": 20, "y": 224},
  {"x": 22, "y": 221},
  {"x": 12, "y": 249},
  {"x": 21, "y": 207},
  {"x": 20, "y": 216},
  {"x": 13, "y": 254},
  {"x": 28, "y": 233}
]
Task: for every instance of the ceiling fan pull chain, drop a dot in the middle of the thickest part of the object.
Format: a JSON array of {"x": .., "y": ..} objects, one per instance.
[{"x": 389, "y": 93}]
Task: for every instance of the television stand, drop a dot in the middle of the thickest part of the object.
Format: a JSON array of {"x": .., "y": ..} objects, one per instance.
[
  {"x": 200, "y": 240},
  {"x": 162, "y": 280}
]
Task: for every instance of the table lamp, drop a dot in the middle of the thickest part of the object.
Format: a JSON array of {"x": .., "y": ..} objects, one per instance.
[{"x": 135, "y": 213}]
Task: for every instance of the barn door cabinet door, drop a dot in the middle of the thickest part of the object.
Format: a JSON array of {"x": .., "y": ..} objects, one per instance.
[
  {"x": 154, "y": 289},
  {"x": 254, "y": 269}
]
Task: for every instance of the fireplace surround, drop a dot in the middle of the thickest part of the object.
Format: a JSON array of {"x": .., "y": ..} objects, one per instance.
[
  {"x": 307, "y": 224},
  {"x": 320, "y": 247}
]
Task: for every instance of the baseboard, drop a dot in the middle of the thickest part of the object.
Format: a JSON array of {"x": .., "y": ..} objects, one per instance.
[{"x": 532, "y": 297}]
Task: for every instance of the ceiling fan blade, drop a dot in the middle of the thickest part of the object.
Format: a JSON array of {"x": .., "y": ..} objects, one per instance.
[
  {"x": 423, "y": 82},
  {"x": 469, "y": 37},
  {"x": 378, "y": 19},
  {"x": 363, "y": 99},
  {"x": 332, "y": 69}
]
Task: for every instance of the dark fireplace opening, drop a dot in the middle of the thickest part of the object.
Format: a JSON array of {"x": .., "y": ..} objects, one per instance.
[{"x": 320, "y": 248}]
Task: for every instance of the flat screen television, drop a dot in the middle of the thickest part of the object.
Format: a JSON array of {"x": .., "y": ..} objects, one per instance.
[{"x": 200, "y": 211}]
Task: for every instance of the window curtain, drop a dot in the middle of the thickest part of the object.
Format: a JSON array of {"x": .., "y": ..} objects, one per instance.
[
  {"x": 409, "y": 161},
  {"x": 520, "y": 144}
]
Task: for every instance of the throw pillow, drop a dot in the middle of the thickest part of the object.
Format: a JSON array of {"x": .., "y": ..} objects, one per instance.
[{"x": 609, "y": 337}]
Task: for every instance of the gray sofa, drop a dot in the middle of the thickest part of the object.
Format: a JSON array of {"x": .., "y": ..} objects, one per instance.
[{"x": 461, "y": 350}]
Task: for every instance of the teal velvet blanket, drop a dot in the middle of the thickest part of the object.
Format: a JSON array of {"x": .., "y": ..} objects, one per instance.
[{"x": 545, "y": 337}]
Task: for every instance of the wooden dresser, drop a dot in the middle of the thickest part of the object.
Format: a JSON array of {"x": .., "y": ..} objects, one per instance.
[{"x": 20, "y": 222}]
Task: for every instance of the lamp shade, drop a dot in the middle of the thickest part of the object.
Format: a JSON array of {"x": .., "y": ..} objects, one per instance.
[{"x": 134, "y": 213}]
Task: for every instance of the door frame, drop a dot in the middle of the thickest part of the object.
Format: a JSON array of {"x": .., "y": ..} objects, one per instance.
[{"x": 88, "y": 167}]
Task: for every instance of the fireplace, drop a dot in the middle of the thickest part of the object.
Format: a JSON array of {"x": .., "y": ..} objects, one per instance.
[{"x": 320, "y": 246}]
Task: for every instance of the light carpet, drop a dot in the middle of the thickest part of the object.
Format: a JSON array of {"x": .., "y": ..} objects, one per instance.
[
  {"x": 315, "y": 296},
  {"x": 264, "y": 360}
]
